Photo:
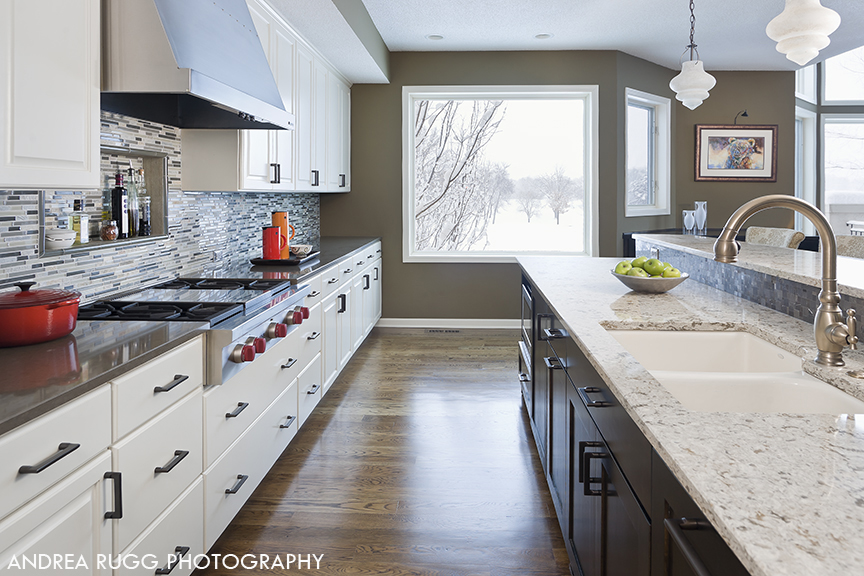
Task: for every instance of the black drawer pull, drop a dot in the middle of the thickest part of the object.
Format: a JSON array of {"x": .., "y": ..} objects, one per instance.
[
  {"x": 241, "y": 479},
  {"x": 378, "y": 251},
  {"x": 582, "y": 446},
  {"x": 366, "y": 281},
  {"x": 314, "y": 294},
  {"x": 240, "y": 407},
  {"x": 376, "y": 272},
  {"x": 178, "y": 456},
  {"x": 370, "y": 256},
  {"x": 583, "y": 393},
  {"x": 587, "y": 478},
  {"x": 275, "y": 179},
  {"x": 333, "y": 281},
  {"x": 314, "y": 389},
  {"x": 313, "y": 336},
  {"x": 289, "y": 363},
  {"x": 552, "y": 363},
  {"x": 342, "y": 180},
  {"x": 288, "y": 422},
  {"x": 179, "y": 552},
  {"x": 524, "y": 377},
  {"x": 347, "y": 271},
  {"x": 361, "y": 262},
  {"x": 117, "y": 513},
  {"x": 343, "y": 303},
  {"x": 63, "y": 450},
  {"x": 555, "y": 333},
  {"x": 674, "y": 527},
  {"x": 178, "y": 379}
]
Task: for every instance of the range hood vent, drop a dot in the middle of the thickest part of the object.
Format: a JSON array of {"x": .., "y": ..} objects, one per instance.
[{"x": 188, "y": 63}]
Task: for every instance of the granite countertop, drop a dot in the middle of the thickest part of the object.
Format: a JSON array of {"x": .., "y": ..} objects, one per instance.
[
  {"x": 801, "y": 266},
  {"x": 332, "y": 248},
  {"x": 786, "y": 491},
  {"x": 41, "y": 377}
]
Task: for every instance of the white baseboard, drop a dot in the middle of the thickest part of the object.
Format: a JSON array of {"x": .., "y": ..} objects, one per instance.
[{"x": 451, "y": 323}]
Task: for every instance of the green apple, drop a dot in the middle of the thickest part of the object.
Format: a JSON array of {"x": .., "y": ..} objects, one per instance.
[
  {"x": 654, "y": 267},
  {"x": 671, "y": 273},
  {"x": 623, "y": 267},
  {"x": 637, "y": 272},
  {"x": 666, "y": 265},
  {"x": 639, "y": 262}
]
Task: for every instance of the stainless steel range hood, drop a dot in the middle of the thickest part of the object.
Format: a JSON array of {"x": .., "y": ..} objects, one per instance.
[{"x": 188, "y": 63}]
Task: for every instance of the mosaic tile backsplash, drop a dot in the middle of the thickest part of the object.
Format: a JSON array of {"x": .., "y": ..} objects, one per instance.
[{"x": 203, "y": 227}]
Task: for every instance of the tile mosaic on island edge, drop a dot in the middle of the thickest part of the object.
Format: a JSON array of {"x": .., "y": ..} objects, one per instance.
[{"x": 202, "y": 226}]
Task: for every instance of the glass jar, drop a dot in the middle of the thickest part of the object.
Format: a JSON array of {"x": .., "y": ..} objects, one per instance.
[{"x": 109, "y": 230}]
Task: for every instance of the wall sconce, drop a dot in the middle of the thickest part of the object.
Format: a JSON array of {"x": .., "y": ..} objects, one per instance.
[
  {"x": 802, "y": 29},
  {"x": 742, "y": 114}
]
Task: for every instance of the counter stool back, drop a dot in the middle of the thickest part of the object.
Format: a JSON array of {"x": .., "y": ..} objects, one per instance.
[{"x": 780, "y": 237}]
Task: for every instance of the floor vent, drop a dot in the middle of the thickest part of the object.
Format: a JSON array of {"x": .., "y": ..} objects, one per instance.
[{"x": 441, "y": 331}]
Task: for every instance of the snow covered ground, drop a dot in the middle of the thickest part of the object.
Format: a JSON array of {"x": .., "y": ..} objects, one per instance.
[{"x": 512, "y": 231}]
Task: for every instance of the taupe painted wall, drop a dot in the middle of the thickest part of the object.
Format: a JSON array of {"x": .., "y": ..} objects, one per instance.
[{"x": 374, "y": 206}]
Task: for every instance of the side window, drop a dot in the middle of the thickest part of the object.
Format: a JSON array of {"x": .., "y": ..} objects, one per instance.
[{"x": 648, "y": 128}]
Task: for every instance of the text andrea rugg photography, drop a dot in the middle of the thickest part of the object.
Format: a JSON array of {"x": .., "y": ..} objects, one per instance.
[{"x": 54, "y": 562}]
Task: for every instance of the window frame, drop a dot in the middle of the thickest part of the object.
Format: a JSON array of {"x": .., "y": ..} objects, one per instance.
[
  {"x": 805, "y": 173},
  {"x": 661, "y": 154},
  {"x": 823, "y": 78},
  {"x": 590, "y": 96},
  {"x": 805, "y": 84}
]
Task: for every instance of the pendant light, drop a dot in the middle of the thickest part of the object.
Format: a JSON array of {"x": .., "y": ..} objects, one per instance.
[
  {"x": 691, "y": 86},
  {"x": 802, "y": 29}
]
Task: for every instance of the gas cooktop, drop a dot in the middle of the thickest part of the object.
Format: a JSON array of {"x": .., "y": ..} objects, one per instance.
[
  {"x": 224, "y": 284},
  {"x": 212, "y": 312}
]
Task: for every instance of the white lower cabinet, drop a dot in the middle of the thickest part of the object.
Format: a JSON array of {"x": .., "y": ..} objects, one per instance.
[
  {"x": 174, "y": 539},
  {"x": 230, "y": 481},
  {"x": 158, "y": 462},
  {"x": 309, "y": 389},
  {"x": 64, "y": 524},
  {"x": 330, "y": 345}
]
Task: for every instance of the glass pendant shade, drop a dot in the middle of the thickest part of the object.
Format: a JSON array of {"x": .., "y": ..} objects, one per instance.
[
  {"x": 802, "y": 29},
  {"x": 691, "y": 86}
]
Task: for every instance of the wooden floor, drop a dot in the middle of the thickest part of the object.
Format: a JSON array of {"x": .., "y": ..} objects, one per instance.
[{"x": 419, "y": 460}]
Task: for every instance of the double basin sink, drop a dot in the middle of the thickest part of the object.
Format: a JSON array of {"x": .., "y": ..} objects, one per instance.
[{"x": 732, "y": 372}]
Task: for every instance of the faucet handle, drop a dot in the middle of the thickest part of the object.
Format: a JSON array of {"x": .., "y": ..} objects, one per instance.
[{"x": 852, "y": 328}]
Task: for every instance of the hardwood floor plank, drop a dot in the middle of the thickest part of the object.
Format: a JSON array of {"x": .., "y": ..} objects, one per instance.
[{"x": 418, "y": 461}]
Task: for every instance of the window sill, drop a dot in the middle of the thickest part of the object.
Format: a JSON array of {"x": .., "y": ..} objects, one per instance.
[{"x": 636, "y": 212}]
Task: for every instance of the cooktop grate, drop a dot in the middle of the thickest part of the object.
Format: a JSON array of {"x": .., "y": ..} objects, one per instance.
[
  {"x": 225, "y": 284},
  {"x": 175, "y": 311}
]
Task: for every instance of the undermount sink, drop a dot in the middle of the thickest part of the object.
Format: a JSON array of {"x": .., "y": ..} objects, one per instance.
[{"x": 732, "y": 372}]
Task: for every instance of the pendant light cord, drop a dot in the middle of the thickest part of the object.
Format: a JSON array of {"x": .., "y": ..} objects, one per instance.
[{"x": 692, "y": 45}]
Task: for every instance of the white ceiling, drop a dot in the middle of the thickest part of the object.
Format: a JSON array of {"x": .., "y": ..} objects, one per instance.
[{"x": 730, "y": 33}]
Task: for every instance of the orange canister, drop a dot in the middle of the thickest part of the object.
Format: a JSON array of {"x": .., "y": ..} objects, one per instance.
[{"x": 280, "y": 219}]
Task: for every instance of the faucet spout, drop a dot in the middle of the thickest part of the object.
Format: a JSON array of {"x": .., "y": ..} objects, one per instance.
[{"x": 831, "y": 332}]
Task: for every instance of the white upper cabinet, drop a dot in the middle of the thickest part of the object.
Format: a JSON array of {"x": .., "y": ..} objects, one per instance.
[
  {"x": 49, "y": 94},
  {"x": 278, "y": 160}
]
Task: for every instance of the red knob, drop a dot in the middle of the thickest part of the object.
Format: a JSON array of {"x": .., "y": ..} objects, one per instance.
[
  {"x": 305, "y": 311},
  {"x": 242, "y": 353},
  {"x": 297, "y": 317},
  {"x": 281, "y": 330},
  {"x": 260, "y": 345}
]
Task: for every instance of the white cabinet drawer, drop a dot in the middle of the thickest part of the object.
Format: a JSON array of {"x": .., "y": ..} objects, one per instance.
[
  {"x": 136, "y": 399},
  {"x": 48, "y": 444},
  {"x": 158, "y": 462},
  {"x": 242, "y": 467},
  {"x": 330, "y": 281},
  {"x": 66, "y": 519},
  {"x": 370, "y": 253},
  {"x": 177, "y": 533},
  {"x": 306, "y": 342},
  {"x": 309, "y": 389},
  {"x": 315, "y": 291}
]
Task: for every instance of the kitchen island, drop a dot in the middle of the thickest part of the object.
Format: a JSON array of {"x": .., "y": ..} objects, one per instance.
[{"x": 783, "y": 490}]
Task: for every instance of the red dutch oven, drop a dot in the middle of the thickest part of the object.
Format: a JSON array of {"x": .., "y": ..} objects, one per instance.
[{"x": 33, "y": 316}]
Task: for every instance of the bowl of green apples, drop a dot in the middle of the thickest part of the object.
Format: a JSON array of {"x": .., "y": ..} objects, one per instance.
[{"x": 648, "y": 275}]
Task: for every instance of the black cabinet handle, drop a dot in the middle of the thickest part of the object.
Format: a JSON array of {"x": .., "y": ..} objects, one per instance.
[
  {"x": 361, "y": 262},
  {"x": 63, "y": 450},
  {"x": 343, "y": 298},
  {"x": 241, "y": 479},
  {"x": 117, "y": 513},
  {"x": 552, "y": 363},
  {"x": 179, "y": 552},
  {"x": 370, "y": 256},
  {"x": 289, "y": 363},
  {"x": 314, "y": 177},
  {"x": 583, "y": 393},
  {"x": 554, "y": 333},
  {"x": 278, "y": 173},
  {"x": 178, "y": 379},
  {"x": 342, "y": 180},
  {"x": 240, "y": 407},
  {"x": 378, "y": 251},
  {"x": 314, "y": 389},
  {"x": 376, "y": 272},
  {"x": 367, "y": 282},
  {"x": 524, "y": 377},
  {"x": 275, "y": 179},
  {"x": 347, "y": 271},
  {"x": 178, "y": 456},
  {"x": 674, "y": 527},
  {"x": 313, "y": 336},
  {"x": 582, "y": 446},
  {"x": 315, "y": 293},
  {"x": 587, "y": 478},
  {"x": 333, "y": 281},
  {"x": 288, "y": 422}
]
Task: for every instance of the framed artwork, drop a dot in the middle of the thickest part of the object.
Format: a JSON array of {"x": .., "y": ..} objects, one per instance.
[{"x": 740, "y": 153}]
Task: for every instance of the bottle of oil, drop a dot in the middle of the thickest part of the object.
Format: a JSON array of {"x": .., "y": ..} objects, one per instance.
[
  {"x": 132, "y": 199},
  {"x": 120, "y": 206}
]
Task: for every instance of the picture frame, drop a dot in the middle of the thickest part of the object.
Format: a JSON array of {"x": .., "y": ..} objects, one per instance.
[{"x": 736, "y": 153}]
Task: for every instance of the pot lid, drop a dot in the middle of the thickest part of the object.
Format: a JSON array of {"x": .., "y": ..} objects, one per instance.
[{"x": 27, "y": 297}]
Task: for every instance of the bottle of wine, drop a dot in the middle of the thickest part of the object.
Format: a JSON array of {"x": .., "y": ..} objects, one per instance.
[
  {"x": 132, "y": 201},
  {"x": 120, "y": 206}
]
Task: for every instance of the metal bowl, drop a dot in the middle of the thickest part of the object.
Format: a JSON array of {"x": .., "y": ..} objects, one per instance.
[{"x": 650, "y": 285}]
